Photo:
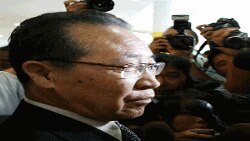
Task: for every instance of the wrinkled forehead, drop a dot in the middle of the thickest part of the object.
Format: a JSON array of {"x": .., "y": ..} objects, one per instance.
[
  {"x": 106, "y": 34},
  {"x": 110, "y": 41}
]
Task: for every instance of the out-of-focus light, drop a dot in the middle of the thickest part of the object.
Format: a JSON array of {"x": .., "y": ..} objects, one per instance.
[
  {"x": 1, "y": 36},
  {"x": 16, "y": 24}
]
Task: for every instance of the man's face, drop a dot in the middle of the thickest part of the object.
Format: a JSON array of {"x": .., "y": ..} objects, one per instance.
[
  {"x": 171, "y": 79},
  {"x": 222, "y": 62},
  {"x": 237, "y": 80},
  {"x": 98, "y": 92}
]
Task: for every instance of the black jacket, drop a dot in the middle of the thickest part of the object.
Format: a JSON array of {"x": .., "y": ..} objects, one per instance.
[{"x": 31, "y": 123}]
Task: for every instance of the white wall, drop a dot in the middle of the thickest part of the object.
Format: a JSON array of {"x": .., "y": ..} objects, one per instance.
[{"x": 146, "y": 16}]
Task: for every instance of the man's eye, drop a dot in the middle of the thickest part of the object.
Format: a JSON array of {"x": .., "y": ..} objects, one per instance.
[
  {"x": 171, "y": 76},
  {"x": 221, "y": 64}
]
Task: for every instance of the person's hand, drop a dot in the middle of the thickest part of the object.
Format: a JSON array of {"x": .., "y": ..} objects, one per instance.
[
  {"x": 160, "y": 44},
  {"x": 73, "y": 5},
  {"x": 229, "y": 51},
  {"x": 195, "y": 135},
  {"x": 217, "y": 36}
]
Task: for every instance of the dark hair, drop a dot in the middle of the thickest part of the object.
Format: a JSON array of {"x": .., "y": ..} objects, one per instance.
[
  {"x": 45, "y": 36},
  {"x": 178, "y": 62},
  {"x": 239, "y": 131}
]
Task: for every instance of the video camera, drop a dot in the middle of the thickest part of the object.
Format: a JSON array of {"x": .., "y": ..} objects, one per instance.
[
  {"x": 101, "y": 5},
  {"x": 237, "y": 39},
  {"x": 181, "y": 41}
]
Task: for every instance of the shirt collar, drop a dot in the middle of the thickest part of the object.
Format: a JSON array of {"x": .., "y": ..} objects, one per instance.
[{"x": 109, "y": 127}]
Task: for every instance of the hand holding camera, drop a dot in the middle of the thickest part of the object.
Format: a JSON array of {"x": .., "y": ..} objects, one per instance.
[
  {"x": 174, "y": 40},
  {"x": 181, "y": 40},
  {"x": 73, "y": 5},
  {"x": 79, "y": 5},
  {"x": 161, "y": 45},
  {"x": 225, "y": 32}
]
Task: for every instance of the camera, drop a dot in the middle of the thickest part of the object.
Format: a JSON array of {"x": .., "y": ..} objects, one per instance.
[
  {"x": 237, "y": 39},
  {"x": 181, "y": 41},
  {"x": 101, "y": 5}
]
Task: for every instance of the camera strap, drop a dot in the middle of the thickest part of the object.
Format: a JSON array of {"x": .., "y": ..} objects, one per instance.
[{"x": 201, "y": 47}]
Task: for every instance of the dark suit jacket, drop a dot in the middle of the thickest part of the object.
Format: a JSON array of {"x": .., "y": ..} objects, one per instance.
[{"x": 31, "y": 123}]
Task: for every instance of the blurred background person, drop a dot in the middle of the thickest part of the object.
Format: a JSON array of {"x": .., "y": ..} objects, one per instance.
[
  {"x": 4, "y": 58},
  {"x": 190, "y": 116},
  {"x": 11, "y": 90},
  {"x": 180, "y": 40},
  {"x": 225, "y": 43},
  {"x": 240, "y": 132}
]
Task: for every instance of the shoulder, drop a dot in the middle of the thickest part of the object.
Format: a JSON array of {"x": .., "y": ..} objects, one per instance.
[{"x": 7, "y": 77}]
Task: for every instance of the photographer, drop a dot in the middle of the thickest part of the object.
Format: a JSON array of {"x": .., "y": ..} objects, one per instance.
[
  {"x": 222, "y": 55},
  {"x": 180, "y": 40},
  {"x": 161, "y": 44}
]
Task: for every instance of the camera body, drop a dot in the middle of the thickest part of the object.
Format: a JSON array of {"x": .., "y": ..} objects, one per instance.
[
  {"x": 101, "y": 5},
  {"x": 181, "y": 41},
  {"x": 237, "y": 39}
]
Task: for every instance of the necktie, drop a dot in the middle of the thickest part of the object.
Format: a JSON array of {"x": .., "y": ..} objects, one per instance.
[{"x": 127, "y": 134}]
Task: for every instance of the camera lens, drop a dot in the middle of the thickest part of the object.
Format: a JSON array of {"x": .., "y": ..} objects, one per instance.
[{"x": 101, "y": 5}]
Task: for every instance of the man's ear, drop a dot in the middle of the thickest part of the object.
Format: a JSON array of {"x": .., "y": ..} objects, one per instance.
[{"x": 40, "y": 73}]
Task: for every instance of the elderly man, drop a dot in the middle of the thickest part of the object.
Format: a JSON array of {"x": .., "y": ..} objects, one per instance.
[{"x": 81, "y": 71}]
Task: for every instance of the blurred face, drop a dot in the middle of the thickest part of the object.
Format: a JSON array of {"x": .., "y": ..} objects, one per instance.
[
  {"x": 99, "y": 92},
  {"x": 171, "y": 79},
  {"x": 221, "y": 63},
  {"x": 237, "y": 80}
]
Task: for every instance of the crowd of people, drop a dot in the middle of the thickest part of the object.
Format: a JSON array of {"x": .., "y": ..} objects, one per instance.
[{"x": 64, "y": 81}]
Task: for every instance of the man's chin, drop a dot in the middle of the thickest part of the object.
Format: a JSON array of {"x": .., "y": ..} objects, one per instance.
[{"x": 132, "y": 114}]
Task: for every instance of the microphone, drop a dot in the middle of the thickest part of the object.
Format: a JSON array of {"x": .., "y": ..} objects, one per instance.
[
  {"x": 203, "y": 109},
  {"x": 242, "y": 60}
]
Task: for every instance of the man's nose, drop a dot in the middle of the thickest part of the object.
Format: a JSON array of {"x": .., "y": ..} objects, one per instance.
[{"x": 147, "y": 81}]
